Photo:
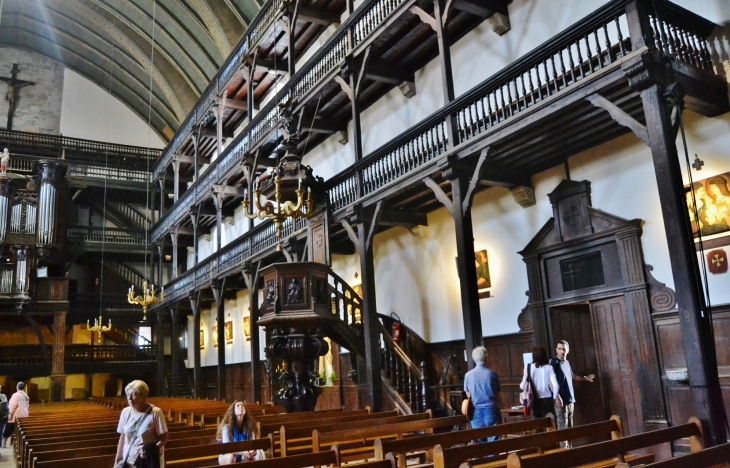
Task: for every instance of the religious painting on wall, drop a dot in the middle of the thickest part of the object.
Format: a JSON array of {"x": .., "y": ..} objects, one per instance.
[
  {"x": 215, "y": 336},
  {"x": 202, "y": 339},
  {"x": 711, "y": 218},
  {"x": 247, "y": 328},
  {"x": 484, "y": 281},
  {"x": 228, "y": 332}
]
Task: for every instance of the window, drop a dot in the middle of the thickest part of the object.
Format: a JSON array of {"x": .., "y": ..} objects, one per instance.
[{"x": 145, "y": 336}]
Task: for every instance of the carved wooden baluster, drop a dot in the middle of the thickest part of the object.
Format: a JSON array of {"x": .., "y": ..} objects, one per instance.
[
  {"x": 571, "y": 64},
  {"x": 562, "y": 70},
  {"x": 502, "y": 105},
  {"x": 693, "y": 52},
  {"x": 461, "y": 121},
  {"x": 422, "y": 384},
  {"x": 555, "y": 74},
  {"x": 403, "y": 160},
  {"x": 620, "y": 37},
  {"x": 581, "y": 69},
  {"x": 412, "y": 399},
  {"x": 608, "y": 44},
  {"x": 474, "y": 112},
  {"x": 587, "y": 41}
]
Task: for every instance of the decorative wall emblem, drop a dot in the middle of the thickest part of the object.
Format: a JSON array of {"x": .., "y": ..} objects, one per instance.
[
  {"x": 717, "y": 261},
  {"x": 571, "y": 215}
]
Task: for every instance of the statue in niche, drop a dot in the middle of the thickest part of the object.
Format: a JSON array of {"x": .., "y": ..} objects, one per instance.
[
  {"x": 4, "y": 161},
  {"x": 294, "y": 292},
  {"x": 270, "y": 292}
]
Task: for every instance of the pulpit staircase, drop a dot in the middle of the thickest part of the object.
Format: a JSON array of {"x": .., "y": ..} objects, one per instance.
[
  {"x": 125, "y": 334},
  {"x": 124, "y": 272},
  {"x": 184, "y": 386},
  {"x": 404, "y": 380}
]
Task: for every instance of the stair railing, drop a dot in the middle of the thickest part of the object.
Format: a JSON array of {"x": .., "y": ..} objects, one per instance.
[
  {"x": 131, "y": 335},
  {"x": 346, "y": 302},
  {"x": 130, "y": 275},
  {"x": 405, "y": 376},
  {"x": 139, "y": 219}
]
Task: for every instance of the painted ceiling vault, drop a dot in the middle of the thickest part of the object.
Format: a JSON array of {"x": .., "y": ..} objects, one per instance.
[{"x": 110, "y": 43}]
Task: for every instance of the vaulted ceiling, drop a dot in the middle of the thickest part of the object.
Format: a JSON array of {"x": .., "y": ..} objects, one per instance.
[{"x": 110, "y": 42}]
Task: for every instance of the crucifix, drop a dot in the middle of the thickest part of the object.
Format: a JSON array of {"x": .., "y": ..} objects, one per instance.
[{"x": 14, "y": 86}]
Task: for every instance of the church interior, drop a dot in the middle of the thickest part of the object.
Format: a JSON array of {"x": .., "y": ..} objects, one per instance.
[{"x": 326, "y": 206}]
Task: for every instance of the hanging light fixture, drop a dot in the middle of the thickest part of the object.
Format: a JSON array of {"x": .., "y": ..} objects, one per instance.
[
  {"x": 148, "y": 296},
  {"x": 98, "y": 327},
  {"x": 283, "y": 193}
]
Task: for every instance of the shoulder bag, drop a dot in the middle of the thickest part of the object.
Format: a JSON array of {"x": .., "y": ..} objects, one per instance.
[
  {"x": 467, "y": 408},
  {"x": 527, "y": 397}
]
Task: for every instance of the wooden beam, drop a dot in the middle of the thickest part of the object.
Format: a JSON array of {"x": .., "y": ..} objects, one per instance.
[
  {"x": 268, "y": 65},
  {"x": 211, "y": 133},
  {"x": 229, "y": 190},
  {"x": 320, "y": 125},
  {"x": 406, "y": 219},
  {"x": 478, "y": 9},
  {"x": 314, "y": 15},
  {"x": 236, "y": 104},
  {"x": 387, "y": 75}
]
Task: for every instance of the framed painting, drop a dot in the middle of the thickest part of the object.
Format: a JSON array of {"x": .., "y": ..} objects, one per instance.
[
  {"x": 484, "y": 281},
  {"x": 202, "y": 339},
  {"x": 247, "y": 328},
  {"x": 228, "y": 332},
  {"x": 215, "y": 336},
  {"x": 709, "y": 210}
]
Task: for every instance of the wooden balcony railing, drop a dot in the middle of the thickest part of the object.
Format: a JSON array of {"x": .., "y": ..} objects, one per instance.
[
  {"x": 24, "y": 163},
  {"x": 97, "y": 302},
  {"x": 107, "y": 235},
  {"x": 75, "y": 148},
  {"x": 323, "y": 65},
  {"x": 229, "y": 259},
  {"x": 111, "y": 353},
  {"x": 591, "y": 45}
]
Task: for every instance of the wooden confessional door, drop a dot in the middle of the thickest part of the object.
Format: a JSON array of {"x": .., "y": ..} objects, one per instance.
[
  {"x": 572, "y": 323},
  {"x": 617, "y": 370}
]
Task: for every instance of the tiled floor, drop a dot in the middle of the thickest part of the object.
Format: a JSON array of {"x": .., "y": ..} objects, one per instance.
[{"x": 6, "y": 458}]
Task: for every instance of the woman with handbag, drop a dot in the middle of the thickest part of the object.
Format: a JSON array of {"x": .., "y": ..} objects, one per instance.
[
  {"x": 237, "y": 426},
  {"x": 540, "y": 375},
  {"x": 18, "y": 408},
  {"x": 142, "y": 429}
]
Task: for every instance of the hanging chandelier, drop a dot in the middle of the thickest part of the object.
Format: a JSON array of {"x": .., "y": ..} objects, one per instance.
[
  {"x": 147, "y": 298},
  {"x": 283, "y": 192},
  {"x": 98, "y": 327}
]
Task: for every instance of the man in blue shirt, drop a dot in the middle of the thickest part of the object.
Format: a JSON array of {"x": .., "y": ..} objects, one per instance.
[
  {"x": 565, "y": 376},
  {"x": 481, "y": 385}
]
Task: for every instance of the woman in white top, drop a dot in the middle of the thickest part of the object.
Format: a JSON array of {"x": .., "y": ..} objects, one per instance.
[
  {"x": 544, "y": 384},
  {"x": 143, "y": 431}
]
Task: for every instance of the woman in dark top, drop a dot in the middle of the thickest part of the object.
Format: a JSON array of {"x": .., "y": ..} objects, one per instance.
[{"x": 236, "y": 426}]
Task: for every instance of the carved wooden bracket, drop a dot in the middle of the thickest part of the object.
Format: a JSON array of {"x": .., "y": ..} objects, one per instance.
[{"x": 621, "y": 117}]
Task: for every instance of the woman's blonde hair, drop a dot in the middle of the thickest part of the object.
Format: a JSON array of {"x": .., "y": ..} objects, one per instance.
[{"x": 139, "y": 387}]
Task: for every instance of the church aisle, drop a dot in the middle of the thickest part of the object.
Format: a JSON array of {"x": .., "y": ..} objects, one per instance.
[{"x": 6, "y": 458}]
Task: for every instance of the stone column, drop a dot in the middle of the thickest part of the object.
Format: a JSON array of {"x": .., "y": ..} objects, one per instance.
[{"x": 58, "y": 376}]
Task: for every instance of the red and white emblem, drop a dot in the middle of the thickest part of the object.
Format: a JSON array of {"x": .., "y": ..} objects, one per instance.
[{"x": 717, "y": 261}]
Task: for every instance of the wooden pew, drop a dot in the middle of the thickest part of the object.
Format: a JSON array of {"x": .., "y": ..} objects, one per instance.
[
  {"x": 299, "y": 440},
  {"x": 268, "y": 426},
  {"x": 295, "y": 461},
  {"x": 205, "y": 455},
  {"x": 456, "y": 456},
  {"x": 358, "y": 444},
  {"x": 612, "y": 452},
  {"x": 714, "y": 457},
  {"x": 400, "y": 448}
]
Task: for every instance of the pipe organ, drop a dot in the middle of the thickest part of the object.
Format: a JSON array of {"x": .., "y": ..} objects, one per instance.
[{"x": 29, "y": 224}]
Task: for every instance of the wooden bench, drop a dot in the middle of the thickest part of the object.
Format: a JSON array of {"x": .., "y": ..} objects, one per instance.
[
  {"x": 612, "y": 452},
  {"x": 299, "y": 439},
  {"x": 267, "y": 426},
  {"x": 714, "y": 457},
  {"x": 205, "y": 455},
  {"x": 533, "y": 443},
  {"x": 358, "y": 444},
  {"x": 400, "y": 448}
]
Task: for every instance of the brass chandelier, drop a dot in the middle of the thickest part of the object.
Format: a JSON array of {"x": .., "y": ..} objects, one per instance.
[
  {"x": 283, "y": 193},
  {"x": 146, "y": 299}
]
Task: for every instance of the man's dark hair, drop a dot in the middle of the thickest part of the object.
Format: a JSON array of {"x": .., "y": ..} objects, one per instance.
[{"x": 539, "y": 356}]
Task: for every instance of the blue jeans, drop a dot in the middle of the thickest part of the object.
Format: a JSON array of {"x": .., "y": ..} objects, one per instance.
[{"x": 485, "y": 417}]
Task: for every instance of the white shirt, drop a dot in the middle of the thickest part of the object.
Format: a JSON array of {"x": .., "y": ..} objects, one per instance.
[
  {"x": 544, "y": 381},
  {"x": 151, "y": 426}
]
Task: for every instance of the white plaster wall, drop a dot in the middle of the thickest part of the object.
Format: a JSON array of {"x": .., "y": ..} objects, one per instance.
[
  {"x": 416, "y": 271},
  {"x": 88, "y": 111}
]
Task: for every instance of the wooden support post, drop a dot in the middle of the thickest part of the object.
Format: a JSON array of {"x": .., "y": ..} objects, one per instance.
[
  {"x": 173, "y": 239},
  {"x": 463, "y": 182},
  {"x": 218, "y": 201},
  {"x": 194, "y": 218},
  {"x": 367, "y": 223},
  {"x": 219, "y": 122},
  {"x": 251, "y": 277},
  {"x": 161, "y": 264},
  {"x": 161, "y": 183},
  {"x": 175, "y": 349},
  {"x": 694, "y": 316},
  {"x": 161, "y": 353},
  {"x": 218, "y": 287},
  {"x": 649, "y": 75},
  {"x": 176, "y": 179},
  {"x": 196, "y": 154},
  {"x": 195, "y": 305},
  {"x": 250, "y": 92},
  {"x": 58, "y": 377}
]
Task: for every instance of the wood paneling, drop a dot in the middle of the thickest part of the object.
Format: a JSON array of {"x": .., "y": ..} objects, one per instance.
[{"x": 617, "y": 371}]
